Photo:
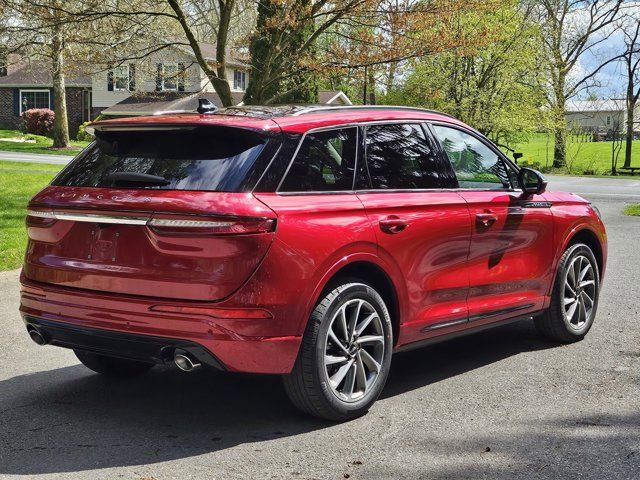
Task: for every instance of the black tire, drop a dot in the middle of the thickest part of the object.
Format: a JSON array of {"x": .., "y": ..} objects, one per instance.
[
  {"x": 112, "y": 366},
  {"x": 308, "y": 385},
  {"x": 555, "y": 323}
]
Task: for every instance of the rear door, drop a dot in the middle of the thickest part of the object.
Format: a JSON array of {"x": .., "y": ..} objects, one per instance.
[
  {"x": 421, "y": 228},
  {"x": 510, "y": 257},
  {"x": 163, "y": 213}
]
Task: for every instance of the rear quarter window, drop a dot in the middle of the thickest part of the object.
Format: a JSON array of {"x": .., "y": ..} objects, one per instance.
[{"x": 198, "y": 158}]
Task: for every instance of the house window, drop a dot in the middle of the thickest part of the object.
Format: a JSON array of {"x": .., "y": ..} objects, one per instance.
[
  {"x": 121, "y": 78},
  {"x": 608, "y": 120},
  {"x": 170, "y": 78},
  {"x": 34, "y": 99},
  {"x": 239, "y": 80}
]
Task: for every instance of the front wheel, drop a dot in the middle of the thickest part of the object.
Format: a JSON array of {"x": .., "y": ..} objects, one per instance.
[
  {"x": 345, "y": 355},
  {"x": 574, "y": 299}
]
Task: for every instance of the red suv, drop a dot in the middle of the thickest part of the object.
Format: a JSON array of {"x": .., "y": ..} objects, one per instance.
[{"x": 311, "y": 242}]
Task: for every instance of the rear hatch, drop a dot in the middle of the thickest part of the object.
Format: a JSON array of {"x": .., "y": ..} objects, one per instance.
[{"x": 155, "y": 211}]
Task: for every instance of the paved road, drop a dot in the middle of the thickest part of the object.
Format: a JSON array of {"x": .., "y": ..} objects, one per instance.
[
  {"x": 503, "y": 404},
  {"x": 35, "y": 158}
]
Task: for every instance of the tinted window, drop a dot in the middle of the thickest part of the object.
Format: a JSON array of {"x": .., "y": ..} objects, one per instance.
[
  {"x": 475, "y": 164},
  {"x": 325, "y": 162},
  {"x": 202, "y": 158},
  {"x": 401, "y": 157}
]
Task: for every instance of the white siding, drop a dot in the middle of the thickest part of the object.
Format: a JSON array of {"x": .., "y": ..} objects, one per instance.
[
  {"x": 595, "y": 120},
  {"x": 145, "y": 73}
]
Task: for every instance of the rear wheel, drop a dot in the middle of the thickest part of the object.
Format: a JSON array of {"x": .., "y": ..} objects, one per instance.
[
  {"x": 345, "y": 354},
  {"x": 112, "y": 366},
  {"x": 574, "y": 299}
]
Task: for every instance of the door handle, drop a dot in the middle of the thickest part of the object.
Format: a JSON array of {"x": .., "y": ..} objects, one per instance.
[
  {"x": 486, "y": 219},
  {"x": 393, "y": 224}
]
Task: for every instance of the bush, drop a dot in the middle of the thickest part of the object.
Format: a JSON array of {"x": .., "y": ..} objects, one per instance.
[
  {"x": 38, "y": 121},
  {"x": 83, "y": 135}
]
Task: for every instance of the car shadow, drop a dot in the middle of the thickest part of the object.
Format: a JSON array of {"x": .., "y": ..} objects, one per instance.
[{"x": 68, "y": 419}]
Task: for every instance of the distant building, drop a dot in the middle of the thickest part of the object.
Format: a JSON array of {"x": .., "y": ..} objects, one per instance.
[
  {"x": 170, "y": 80},
  {"x": 597, "y": 115},
  {"x": 29, "y": 85}
]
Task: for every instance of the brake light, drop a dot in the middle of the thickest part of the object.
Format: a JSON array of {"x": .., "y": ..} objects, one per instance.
[
  {"x": 40, "y": 218},
  {"x": 179, "y": 225}
]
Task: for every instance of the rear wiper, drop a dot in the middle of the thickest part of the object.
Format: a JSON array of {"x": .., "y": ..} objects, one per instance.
[{"x": 133, "y": 178}]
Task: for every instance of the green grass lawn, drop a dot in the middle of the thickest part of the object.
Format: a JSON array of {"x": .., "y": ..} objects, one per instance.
[
  {"x": 18, "y": 183},
  {"x": 42, "y": 144},
  {"x": 632, "y": 210},
  {"x": 581, "y": 156}
]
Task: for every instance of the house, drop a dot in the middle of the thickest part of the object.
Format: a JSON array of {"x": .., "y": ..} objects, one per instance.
[
  {"x": 597, "y": 115},
  {"x": 169, "y": 80},
  {"x": 168, "y": 74},
  {"x": 29, "y": 85}
]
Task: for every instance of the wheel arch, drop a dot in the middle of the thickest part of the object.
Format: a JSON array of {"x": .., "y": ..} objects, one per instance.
[
  {"x": 374, "y": 275},
  {"x": 589, "y": 238}
]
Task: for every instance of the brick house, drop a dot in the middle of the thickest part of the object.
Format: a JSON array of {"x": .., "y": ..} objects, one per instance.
[{"x": 30, "y": 86}]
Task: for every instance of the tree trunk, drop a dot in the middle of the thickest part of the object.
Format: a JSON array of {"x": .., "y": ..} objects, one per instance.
[
  {"x": 631, "y": 106},
  {"x": 274, "y": 48},
  {"x": 559, "y": 147},
  {"x": 560, "y": 121},
  {"x": 222, "y": 87},
  {"x": 219, "y": 83},
  {"x": 372, "y": 87},
  {"x": 60, "y": 124}
]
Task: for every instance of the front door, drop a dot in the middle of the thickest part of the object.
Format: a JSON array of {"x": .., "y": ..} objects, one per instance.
[
  {"x": 511, "y": 250},
  {"x": 422, "y": 231}
]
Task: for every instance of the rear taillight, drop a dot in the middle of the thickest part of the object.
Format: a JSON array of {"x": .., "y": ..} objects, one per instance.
[
  {"x": 179, "y": 225},
  {"x": 40, "y": 218}
]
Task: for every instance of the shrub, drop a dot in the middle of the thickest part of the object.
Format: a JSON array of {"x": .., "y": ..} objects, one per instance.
[
  {"x": 38, "y": 121},
  {"x": 83, "y": 135}
]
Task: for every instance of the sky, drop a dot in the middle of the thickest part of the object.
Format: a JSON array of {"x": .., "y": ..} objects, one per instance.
[{"x": 611, "y": 80}]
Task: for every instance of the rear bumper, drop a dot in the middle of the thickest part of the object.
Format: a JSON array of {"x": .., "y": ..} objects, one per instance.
[
  {"x": 92, "y": 321},
  {"x": 145, "y": 348}
]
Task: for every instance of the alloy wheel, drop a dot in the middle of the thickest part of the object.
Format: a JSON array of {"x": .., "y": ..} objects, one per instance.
[
  {"x": 579, "y": 292},
  {"x": 354, "y": 350}
]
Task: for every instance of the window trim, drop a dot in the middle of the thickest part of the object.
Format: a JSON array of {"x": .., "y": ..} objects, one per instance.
[
  {"x": 33, "y": 90},
  {"x": 487, "y": 143},
  {"x": 426, "y": 130},
  {"x": 297, "y": 150},
  {"x": 426, "y": 125}
]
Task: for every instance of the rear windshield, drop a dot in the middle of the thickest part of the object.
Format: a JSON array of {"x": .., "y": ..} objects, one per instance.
[{"x": 198, "y": 158}]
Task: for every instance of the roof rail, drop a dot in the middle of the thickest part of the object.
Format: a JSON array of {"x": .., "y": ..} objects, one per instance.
[{"x": 322, "y": 108}]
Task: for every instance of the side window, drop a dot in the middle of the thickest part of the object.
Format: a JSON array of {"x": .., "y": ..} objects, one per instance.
[
  {"x": 325, "y": 162},
  {"x": 475, "y": 164},
  {"x": 401, "y": 157}
]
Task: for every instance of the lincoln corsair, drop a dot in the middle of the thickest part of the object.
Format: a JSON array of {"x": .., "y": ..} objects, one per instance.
[{"x": 310, "y": 242}]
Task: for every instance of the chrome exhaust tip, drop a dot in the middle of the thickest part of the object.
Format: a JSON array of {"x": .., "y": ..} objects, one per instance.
[
  {"x": 185, "y": 362},
  {"x": 36, "y": 336}
]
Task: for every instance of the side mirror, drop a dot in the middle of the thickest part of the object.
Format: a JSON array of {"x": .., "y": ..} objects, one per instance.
[{"x": 531, "y": 181}]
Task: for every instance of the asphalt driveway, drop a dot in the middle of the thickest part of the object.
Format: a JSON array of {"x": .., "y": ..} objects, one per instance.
[{"x": 501, "y": 404}]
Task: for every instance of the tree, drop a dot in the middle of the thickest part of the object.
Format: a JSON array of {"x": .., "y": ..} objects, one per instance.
[
  {"x": 42, "y": 31},
  {"x": 631, "y": 61},
  {"x": 569, "y": 29},
  {"x": 282, "y": 49},
  {"x": 367, "y": 49},
  {"x": 490, "y": 80}
]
